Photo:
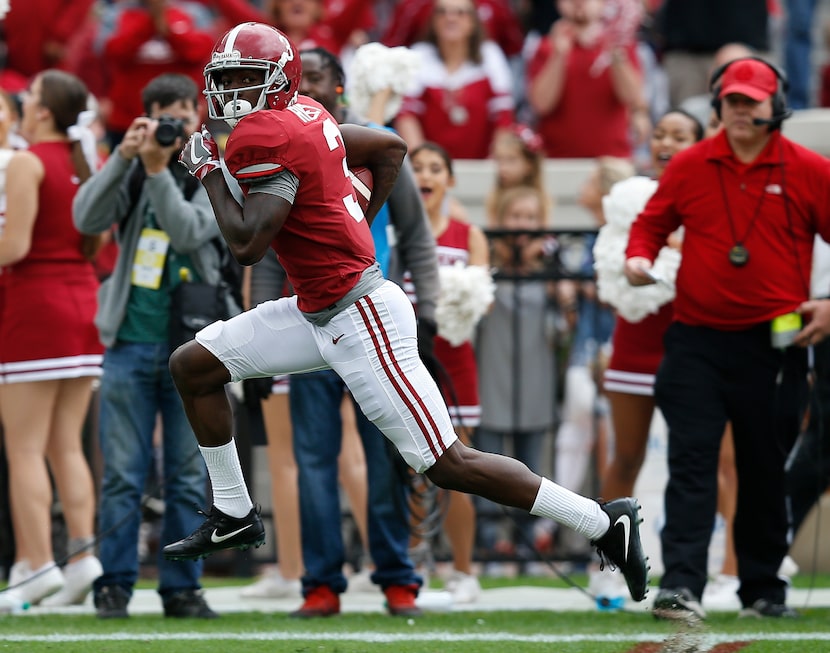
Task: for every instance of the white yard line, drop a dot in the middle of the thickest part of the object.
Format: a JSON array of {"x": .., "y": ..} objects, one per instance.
[{"x": 385, "y": 638}]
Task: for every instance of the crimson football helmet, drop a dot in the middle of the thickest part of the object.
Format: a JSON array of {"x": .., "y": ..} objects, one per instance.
[{"x": 257, "y": 46}]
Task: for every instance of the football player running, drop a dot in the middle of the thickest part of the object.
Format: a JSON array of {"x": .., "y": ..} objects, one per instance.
[{"x": 291, "y": 159}]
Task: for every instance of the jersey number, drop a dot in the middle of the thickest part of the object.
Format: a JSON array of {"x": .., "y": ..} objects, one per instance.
[{"x": 335, "y": 139}]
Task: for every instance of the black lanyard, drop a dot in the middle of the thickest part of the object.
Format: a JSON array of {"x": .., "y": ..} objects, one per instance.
[{"x": 738, "y": 253}]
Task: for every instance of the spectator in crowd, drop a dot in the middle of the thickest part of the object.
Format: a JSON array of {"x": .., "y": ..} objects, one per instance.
[
  {"x": 458, "y": 244},
  {"x": 691, "y": 32},
  {"x": 165, "y": 225},
  {"x": 315, "y": 409},
  {"x": 149, "y": 38},
  {"x": 308, "y": 23},
  {"x": 462, "y": 95},
  {"x": 798, "y": 51},
  {"x": 642, "y": 318},
  {"x": 584, "y": 84},
  {"x": 582, "y": 430},
  {"x": 37, "y": 33},
  {"x": 515, "y": 353},
  {"x": 736, "y": 345},
  {"x": 519, "y": 155},
  {"x": 410, "y": 20},
  {"x": 329, "y": 258},
  {"x": 49, "y": 281}
]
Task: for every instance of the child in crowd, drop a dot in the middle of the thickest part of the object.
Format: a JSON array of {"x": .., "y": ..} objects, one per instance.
[
  {"x": 517, "y": 153},
  {"x": 515, "y": 350}
]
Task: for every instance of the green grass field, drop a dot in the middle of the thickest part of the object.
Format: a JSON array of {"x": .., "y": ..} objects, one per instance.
[{"x": 459, "y": 632}]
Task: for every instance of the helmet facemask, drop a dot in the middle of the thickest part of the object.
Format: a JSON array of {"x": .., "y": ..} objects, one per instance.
[{"x": 227, "y": 104}]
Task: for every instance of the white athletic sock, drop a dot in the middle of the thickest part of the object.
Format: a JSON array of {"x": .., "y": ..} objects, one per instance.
[
  {"x": 230, "y": 494},
  {"x": 580, "y": 513}
]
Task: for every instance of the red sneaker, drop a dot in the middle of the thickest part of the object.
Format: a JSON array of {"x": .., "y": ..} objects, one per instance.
[
  {"x": 400, "y": 600},
  {"x": 319, "y": 602}
]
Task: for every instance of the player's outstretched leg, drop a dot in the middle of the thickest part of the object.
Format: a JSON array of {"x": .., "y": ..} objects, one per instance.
[
  {"x": 613, "y": 526},
  {"x": 621, "y": 545},
  {"x": 217, "y": 533}
]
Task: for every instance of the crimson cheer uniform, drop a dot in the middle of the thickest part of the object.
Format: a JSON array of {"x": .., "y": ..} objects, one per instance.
[
  {"x": 460, "y": 390},
  {"x": 344, "y": 315},
  {"x": 636, "y": 352},
  {"x": 720, "y": 365},
  {"x": 47, "y": 329}
]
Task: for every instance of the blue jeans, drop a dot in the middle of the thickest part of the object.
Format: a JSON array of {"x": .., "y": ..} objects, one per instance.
[
  {"x": 797, "y": 50},
  {"x": 136, "y": 386},
  {"x": 315, "y": 415}
]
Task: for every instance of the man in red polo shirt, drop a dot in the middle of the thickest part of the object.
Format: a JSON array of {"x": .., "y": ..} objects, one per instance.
[{"x": 750, "y": 202}]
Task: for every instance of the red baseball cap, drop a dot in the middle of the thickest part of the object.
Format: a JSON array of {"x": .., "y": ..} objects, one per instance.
[{"x": 749, "y": 77}]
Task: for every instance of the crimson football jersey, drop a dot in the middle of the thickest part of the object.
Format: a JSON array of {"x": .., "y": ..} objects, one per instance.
[{"x": 325, "y": 243}]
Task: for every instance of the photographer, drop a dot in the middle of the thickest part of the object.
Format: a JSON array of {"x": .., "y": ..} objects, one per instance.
[{"x": 166, "y": 233}]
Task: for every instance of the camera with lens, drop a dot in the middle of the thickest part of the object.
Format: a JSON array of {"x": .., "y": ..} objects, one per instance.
[{"x": 168, "y": 130}]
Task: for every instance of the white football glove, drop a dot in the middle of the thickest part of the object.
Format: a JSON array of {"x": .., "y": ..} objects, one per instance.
[{"x": 200, "y": 155}]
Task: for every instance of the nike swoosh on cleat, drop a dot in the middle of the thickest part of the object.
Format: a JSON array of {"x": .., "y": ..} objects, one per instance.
[
  {"x": 625, "y": 521},
  {"x": 334, "y": 341},
  {"x": 217, "y": 539}
]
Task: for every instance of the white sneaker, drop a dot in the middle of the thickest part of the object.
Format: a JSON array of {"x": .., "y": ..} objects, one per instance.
[
  {"x": 464, "y": 588},
  {"x": 722, "y": 593},
  {"x": 361, "y": 583},
  {"x": 608, "y": 588},
  {"x": 78, "y": 576},
  {"x": 12, "y": 603},
  {"x": 273, "y": 586},
  {"x": 32, "y": 586},
  {"x": 19, "y": 572}
]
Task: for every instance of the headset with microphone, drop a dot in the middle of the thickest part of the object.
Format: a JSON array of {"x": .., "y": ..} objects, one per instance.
[{"x": 780, "y": 111}]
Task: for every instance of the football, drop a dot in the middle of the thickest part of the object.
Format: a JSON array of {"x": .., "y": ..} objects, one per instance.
[{"x": 362, "y": 181}]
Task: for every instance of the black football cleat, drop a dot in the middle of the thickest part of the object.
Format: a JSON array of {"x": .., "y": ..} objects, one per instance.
[
  {"x": 621, "y": 546},
  {"x": 217, "y": 533}
]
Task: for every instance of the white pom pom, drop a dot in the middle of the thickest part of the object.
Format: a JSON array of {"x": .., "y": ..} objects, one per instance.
[
  {"x": 466, "y": 294},
  {"x": 621, "y": 207},
  {"x": 626, "y": 199},
  {"x": 376, "y": 67}
]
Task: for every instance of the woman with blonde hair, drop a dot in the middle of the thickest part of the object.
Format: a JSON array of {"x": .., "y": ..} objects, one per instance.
[
  {"x": 463, "y": 92},
  {"x": 49, "y": 345}
]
